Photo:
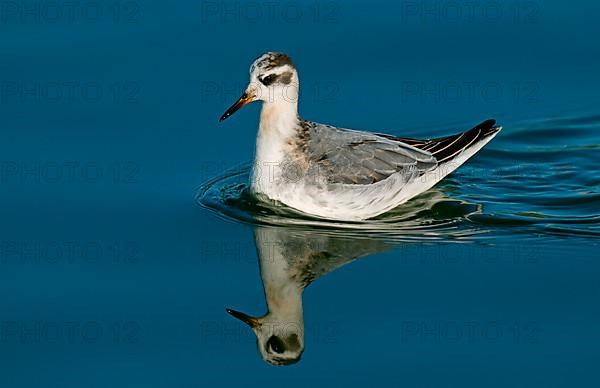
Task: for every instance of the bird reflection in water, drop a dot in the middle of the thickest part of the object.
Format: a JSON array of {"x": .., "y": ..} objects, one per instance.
[
  {"x": 290, "y": 260},
  {"x": 293, "y": 256}
]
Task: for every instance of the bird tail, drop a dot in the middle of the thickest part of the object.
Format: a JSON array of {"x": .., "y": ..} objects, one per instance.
[{"x": 446, "y": 149}]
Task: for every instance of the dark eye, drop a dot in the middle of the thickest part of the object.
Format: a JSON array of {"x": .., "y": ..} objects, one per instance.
[
  {"x": 276, "y": 344},
  {"x": 268, "y": 80}
]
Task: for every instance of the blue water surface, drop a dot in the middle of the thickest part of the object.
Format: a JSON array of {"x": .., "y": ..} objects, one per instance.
[{"x": 126, "y": 228}]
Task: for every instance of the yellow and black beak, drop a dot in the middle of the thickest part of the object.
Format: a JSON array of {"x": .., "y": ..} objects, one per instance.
[
  {"x": 245, "y": 99},
  {"x": 247, "y": 319}
]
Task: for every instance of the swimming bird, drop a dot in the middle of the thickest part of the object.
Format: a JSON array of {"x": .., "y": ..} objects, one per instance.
[{"x": 337, "y": 173}]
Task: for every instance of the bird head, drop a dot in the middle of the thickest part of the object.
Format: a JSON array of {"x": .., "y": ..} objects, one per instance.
[
  {"x": 279, "y": 341},
  {"x": 273, "y": 79}
]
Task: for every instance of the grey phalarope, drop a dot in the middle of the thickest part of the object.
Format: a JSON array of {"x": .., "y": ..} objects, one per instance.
[{"x": 338, "y": 173}]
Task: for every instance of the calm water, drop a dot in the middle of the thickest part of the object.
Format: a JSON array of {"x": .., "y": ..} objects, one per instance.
[{"x": 126, "y": 229}]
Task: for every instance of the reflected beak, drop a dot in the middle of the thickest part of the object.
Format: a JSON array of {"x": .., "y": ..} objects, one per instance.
[
  {"x": 245, "y": 99},
  {"x": 247, "y": 319}
]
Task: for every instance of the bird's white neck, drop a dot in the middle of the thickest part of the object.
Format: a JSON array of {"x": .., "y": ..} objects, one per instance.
[
  {"x": 278, "y": 119},
  {"x": 284, "y": 302},
  {"x": 282, "y": 291},
  {"x": 279, "y": 123}
]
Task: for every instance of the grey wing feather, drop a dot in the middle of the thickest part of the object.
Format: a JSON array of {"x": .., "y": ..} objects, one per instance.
[{"x": 354, "y": 157}]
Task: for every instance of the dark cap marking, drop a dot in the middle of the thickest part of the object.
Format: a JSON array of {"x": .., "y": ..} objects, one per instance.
[{"x": 273, "y": 60}]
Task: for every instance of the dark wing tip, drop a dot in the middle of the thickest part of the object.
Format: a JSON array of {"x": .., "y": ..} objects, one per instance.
[
  {"x": 488, "y": 127},
  {"x": 487, "y": 124},
  {"x": 446, "y": 148}
]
